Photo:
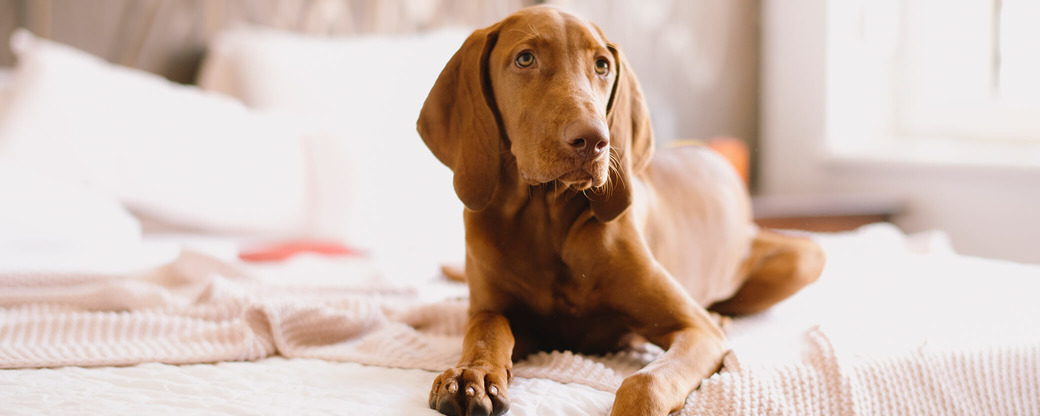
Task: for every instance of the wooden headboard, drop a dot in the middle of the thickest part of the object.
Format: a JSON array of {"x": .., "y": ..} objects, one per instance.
[{"x": 168, "y": 37}]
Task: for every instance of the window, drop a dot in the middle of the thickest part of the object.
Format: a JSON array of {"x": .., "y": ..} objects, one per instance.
[{"x": 948, "y": 69}]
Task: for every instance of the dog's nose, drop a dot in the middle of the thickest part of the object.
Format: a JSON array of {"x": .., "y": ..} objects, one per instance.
[{"x": 587, "y": 138}]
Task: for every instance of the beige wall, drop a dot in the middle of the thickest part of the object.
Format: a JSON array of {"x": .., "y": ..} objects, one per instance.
[
  {"x": 697, "y": 61},
  {"x": 168, "y": 37},
  {"x": 8, "y": 22}
]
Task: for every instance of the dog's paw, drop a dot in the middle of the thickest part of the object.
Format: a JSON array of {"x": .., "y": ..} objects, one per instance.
[
  {"x": 646, "y": 394},
  {"x": 471, "y": 391}
]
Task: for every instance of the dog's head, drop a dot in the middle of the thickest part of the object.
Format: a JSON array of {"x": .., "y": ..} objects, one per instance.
[{"x": 549, "y": 89}]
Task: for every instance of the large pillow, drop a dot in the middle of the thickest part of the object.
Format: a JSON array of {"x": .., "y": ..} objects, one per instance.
[
  {"x": 367, "y": 91},
  {"x": 40, "y": 211},
  {"x": 172, "y": 152}
]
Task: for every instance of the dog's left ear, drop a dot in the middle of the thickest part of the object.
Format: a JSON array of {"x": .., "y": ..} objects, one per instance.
[
  {"x": 459, "y": 122},
  {"x": 631, "y": 141}
]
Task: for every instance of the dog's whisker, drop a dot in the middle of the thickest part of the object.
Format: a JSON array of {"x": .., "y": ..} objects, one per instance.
[
  {"x": 613, "y": 166},
  {"x": 533, "y": 30}
]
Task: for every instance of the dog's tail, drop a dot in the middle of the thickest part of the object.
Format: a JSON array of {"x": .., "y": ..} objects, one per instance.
[{"x": 454, "y": 272}]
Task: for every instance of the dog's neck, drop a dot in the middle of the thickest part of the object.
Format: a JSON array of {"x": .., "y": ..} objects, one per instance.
[{"x": 552, "y": 201}]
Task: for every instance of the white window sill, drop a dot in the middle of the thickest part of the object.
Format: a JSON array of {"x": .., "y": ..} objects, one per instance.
[{"x": 931, "y": 153}]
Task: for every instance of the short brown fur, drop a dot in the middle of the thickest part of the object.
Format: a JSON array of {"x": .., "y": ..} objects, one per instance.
[{"x": 578, "y": 236}]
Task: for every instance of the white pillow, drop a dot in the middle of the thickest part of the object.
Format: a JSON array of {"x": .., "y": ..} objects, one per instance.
[
  {"x": 169, "y": 151},
  {"x": 39, "y": 211},
  {"x": 367, "y": 91}
]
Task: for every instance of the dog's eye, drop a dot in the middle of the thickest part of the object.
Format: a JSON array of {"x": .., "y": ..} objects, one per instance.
[
  {"x": 525, "y": 59},
  {"x": 602, "y": 66}
]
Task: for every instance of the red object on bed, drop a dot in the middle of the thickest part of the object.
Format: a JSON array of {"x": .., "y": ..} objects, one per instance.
[{"x": 282, "y": 251}]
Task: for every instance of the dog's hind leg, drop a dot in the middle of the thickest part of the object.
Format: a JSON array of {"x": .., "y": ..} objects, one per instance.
[{"x": 779, "y": 265}]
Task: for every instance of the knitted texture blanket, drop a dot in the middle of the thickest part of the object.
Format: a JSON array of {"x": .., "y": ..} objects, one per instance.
[{"x": 198, "y": 309}]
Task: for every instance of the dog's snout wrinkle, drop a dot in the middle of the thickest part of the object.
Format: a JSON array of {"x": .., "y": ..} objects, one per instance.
[{"x": 587, "y": 138}]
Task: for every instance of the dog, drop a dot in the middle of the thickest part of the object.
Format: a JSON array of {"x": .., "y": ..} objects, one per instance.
[{"x": 578, "y": 236}]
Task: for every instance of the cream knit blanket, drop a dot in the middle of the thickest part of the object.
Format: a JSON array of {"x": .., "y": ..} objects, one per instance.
[{"x": 198, "y": 309}]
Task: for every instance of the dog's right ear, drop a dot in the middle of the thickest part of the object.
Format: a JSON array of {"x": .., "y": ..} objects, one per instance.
[
  {"x": 460, "y": 124},
  {"x": 631, "y": 141}
]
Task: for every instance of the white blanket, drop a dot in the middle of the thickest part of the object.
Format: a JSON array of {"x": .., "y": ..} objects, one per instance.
[{"x": 883, "y": 332}]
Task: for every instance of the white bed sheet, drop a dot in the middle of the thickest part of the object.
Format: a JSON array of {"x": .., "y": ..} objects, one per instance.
[
  {"x": 270, "y": 386},
  {"x": 886, "y": 304}
]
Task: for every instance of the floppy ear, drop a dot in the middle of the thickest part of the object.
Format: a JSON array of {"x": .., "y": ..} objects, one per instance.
[
  {"x": 631, "y": 142},
  {"x": 459, "y": 122}
]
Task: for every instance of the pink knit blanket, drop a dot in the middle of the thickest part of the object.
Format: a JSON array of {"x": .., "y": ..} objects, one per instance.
[{"x": 198, "y": 309}]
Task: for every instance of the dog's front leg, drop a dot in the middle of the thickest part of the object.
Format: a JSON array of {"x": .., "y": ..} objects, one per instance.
[
  {"x": 663, "y": 385},
  {"x": 661, "y": 312},
  {"x": 656, "y": 307},
  {"x": 477, "y": 385},
  {"x": 664, "y": 314}
]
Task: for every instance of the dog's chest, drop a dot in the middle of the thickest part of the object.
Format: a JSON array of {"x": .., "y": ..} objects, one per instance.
[
  {"x": 538, "y": 280},
  {"x": 520, "y": 254},
  {"x": 555, "y": 308},
  {"x": 566, "y": 294},
  {"x": 533, "y": 274},
  {"x": 568, "y": 313}
]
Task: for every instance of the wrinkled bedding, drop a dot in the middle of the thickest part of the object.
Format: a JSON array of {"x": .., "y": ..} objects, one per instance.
[{"x": 896, "y": 325}]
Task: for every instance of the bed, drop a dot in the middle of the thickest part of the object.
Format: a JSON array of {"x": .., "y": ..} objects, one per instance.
[{"x": 123, "y": 288}]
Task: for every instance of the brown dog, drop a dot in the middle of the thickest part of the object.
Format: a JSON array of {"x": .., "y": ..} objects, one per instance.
[{"x": 576, "y": 237}]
